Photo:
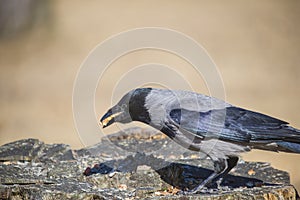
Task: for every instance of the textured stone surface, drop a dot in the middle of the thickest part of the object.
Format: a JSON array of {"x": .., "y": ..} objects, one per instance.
[{"x": 133, "y": 164}]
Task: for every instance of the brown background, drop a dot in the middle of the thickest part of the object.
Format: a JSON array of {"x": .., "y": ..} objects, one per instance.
[{"x": 255, "y": 45}]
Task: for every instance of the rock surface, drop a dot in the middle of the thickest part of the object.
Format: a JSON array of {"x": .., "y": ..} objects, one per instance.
[{"x": 133, "y": 164}]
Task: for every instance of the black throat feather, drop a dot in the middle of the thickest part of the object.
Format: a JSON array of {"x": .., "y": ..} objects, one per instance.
[{"x": 137, "y": 109}]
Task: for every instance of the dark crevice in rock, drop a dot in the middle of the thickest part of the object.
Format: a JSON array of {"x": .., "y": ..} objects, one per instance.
[{"x": 28, "y": 183}]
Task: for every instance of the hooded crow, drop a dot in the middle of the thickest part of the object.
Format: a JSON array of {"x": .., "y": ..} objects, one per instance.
[{"x": 205, "y": 124}]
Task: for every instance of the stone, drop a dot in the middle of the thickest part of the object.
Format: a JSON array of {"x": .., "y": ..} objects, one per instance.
[{"x": 132, "y": 164}]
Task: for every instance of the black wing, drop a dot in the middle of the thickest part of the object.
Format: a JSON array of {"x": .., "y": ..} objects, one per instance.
[{"x": 234, "y": 124}]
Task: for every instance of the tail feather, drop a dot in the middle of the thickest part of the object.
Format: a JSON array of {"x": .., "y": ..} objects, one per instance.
[
  {"x": 289, "y": 147},
  {"x": 285, "y": 139},
  {"x": 290, "y": 134},
  {"x": 290, "y": 140}
]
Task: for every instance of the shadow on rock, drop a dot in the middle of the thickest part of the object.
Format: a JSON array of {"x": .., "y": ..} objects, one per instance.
[{"x": 180, "y": 175}]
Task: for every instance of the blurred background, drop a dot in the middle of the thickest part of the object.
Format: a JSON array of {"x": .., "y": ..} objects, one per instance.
[{"x": 255, "y": 45}]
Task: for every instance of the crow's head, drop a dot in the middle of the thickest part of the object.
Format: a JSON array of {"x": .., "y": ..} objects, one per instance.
[{"x": 131, "y": 107}]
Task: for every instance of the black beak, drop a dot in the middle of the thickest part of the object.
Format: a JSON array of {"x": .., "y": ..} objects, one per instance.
[{"x": 107, "y": 119}]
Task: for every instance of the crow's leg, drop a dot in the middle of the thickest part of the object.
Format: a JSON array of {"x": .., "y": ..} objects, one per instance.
[
  {"x": 231, "y": 163},
  {"x": 221, "y": 168}
]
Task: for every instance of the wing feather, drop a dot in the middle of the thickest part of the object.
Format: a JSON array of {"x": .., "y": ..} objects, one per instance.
[{"x": 234, "y": 124}]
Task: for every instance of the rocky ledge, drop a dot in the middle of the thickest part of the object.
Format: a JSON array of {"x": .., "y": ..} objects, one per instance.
[{"x": 133, "y": 164}]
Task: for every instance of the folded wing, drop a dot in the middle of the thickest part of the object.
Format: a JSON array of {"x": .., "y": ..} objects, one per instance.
[{"x": 234, "y": 124}]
